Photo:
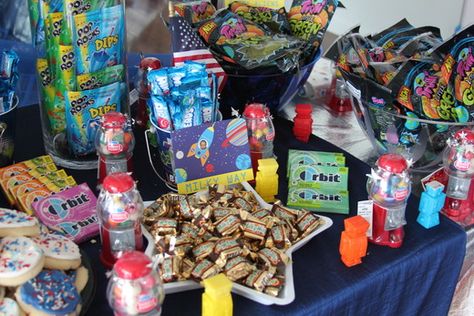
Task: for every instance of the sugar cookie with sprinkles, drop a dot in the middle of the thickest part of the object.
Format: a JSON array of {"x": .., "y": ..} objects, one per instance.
[
  {"x": 60, "y": 252},
  {"x": 80, "y": 276},
  {"x": 9, "y": 307},
  {"x": 16, "y": 223},
  {"x": 52, "y": 292},
  {"x": 20, "y": 260}
]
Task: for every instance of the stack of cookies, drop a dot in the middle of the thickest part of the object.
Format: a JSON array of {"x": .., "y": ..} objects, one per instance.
[{"x": 40, "y": 272}]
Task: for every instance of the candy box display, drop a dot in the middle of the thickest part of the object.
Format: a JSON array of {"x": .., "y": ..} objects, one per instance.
[{"x": 285, "y": 295}]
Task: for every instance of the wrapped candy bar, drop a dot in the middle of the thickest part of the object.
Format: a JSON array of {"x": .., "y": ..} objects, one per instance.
[
  {"x": 204, "y": 269},
  {"x": 238, "y": 268},
  {"x": 170, "y": 268}
]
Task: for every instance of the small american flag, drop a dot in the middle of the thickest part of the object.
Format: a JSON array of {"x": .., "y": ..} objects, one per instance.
[{"x": 187, "y": 45}]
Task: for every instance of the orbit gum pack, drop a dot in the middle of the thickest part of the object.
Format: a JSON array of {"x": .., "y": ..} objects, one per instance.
[
  {"x": 84, "y": 110},
  {"x": 98, "y": 39}
]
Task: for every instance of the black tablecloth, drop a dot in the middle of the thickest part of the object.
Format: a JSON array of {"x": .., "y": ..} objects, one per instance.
[{"x": 418, "y": 278}]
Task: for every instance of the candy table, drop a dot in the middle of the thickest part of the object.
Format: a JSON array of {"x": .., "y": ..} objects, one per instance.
[{"x": 417, "y": 279}]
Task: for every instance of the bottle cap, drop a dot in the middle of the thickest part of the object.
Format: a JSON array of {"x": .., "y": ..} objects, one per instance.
[
  {"x": 114, "y": 120},
  {"x": 120, "y": 182},
  {"x": 304, "y": 108},
  {"x": 133, "y": 265},
  {"x": 465, "y": 134},
  {"x": 393, "y": 163},
  {"x": 255, "y": 110}
]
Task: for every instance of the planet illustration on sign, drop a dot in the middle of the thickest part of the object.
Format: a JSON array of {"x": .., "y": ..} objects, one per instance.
[
  {"x": 236, "y": 133},
  {"x": 243, "y": 162},
  {"x": 180, "y": 175},
  {"x": 209, "y": 168}
]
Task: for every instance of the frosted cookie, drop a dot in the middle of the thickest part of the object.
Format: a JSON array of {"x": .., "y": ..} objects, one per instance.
[
  {"x": 16, "y": 223},
  {"x": 52, "y": 292},
  {"x": 20, "y": 260},
  {"x": 60, "y": 252},
  {"x": 80, "y": 277},
  {"x": 9, "y": 307}
]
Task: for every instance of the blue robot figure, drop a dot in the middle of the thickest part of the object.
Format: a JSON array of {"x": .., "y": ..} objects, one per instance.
[{"x": 432, "y": 201}]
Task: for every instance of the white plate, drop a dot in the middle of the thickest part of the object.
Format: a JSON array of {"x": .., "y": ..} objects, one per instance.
[{"x": 286, "y": 295}]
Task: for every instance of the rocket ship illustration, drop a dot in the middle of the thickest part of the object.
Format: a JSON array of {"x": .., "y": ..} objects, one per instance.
[{"x": 200, "y": 150}]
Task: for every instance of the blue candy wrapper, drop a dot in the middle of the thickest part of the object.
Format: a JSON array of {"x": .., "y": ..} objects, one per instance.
[
  {"x": 84, "y": 109},
  {"x": 158, "y": 81},
  {"x": 159, "y": 112},
  {"x": 175, "y": 76},
  {"x": 182, "y": 96},
  {"x": 98, "y": 39},
  {"x": 8, "y": 78}
]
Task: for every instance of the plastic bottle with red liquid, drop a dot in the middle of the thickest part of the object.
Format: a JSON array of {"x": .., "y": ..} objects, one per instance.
[
  {"x": 114, "y": 144},
  {"x": 458, "y": 159},
  {"x": 120, "y": 212},
  {"x": 389, "y": 186},
  {"x": 135, "y": 287},
  {"x": 146, "y": 64},
  {"x": 261, "y": 132}
]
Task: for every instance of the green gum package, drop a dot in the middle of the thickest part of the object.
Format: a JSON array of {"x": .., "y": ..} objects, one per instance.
[
  {"x": 319, "y": 200},
  {"x": 319, "y": 177},
  {"x": 306, "y": 157}
]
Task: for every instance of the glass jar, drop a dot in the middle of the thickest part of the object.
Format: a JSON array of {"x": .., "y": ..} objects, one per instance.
[
  {"x": 261, "y": 132},
  {"x": 81, "y": 75},
  {"x": 114, "y": 144},
  {"x": 135, "y": 287},
  {"x": 120, "y": 212}
]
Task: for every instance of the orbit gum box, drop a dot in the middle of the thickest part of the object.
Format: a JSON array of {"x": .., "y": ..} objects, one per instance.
[
  {"x": 319, "y": 177},
  {"x": 318, "y": 181},
  {"x": 71, "y": 211},
  {"x": 321, "y": 200},
  {"x": 320, "y": 158}
]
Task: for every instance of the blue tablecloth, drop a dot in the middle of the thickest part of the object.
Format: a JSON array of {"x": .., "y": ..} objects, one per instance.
[{"x": 417, "y": 279}]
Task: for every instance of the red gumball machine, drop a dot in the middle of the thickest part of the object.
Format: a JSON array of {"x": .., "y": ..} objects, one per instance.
[
  {"x": 120, "y": 212},
  {"x": 261, "y": 132},
  {"x": 458, "y": 159},
  {"x": 114, "y": 144},
  {"x": 389, "y": 186}
]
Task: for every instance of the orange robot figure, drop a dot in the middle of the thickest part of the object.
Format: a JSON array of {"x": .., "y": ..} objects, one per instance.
[{"x": 354, "y": 241}]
